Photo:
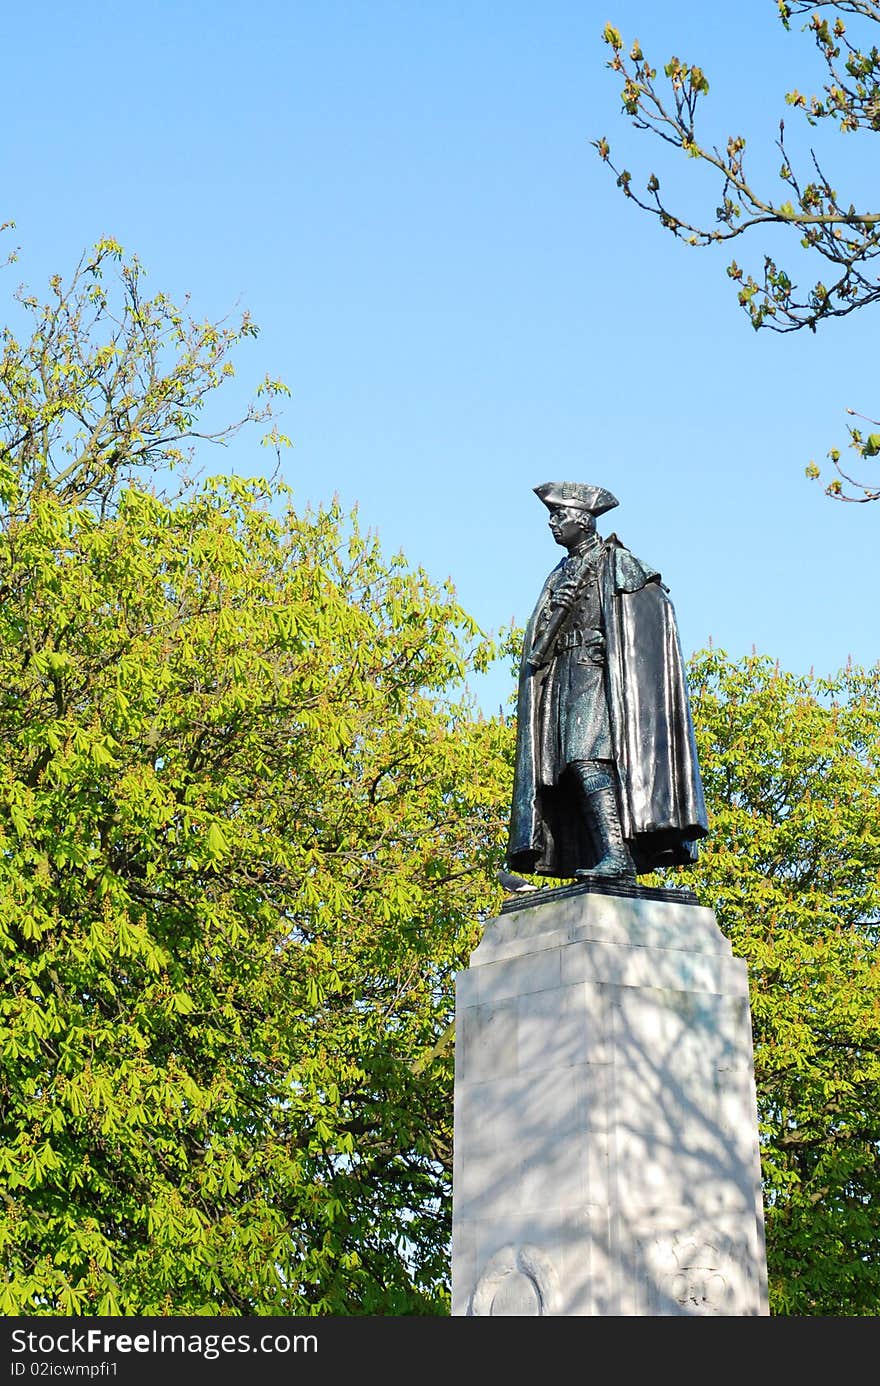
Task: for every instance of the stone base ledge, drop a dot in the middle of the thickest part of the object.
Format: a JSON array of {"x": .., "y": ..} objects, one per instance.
[{"x": 572, "y": 917}]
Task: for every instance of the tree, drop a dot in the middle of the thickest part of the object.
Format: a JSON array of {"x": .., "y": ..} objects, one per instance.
[
  {"x": 110, "y": 385},
  {"x": 791, "y": 768},
  {"x": 247, "y": 819},
  {"x": 248, "y": 831},
  {"x": 824, "y": 222}
]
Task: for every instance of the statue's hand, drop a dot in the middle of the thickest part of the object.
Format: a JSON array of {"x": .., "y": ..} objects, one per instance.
[{"x": 566, "y": 594}]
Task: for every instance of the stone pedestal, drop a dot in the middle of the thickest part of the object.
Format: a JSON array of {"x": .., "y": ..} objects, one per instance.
[{"x": 606, "y": 1144}]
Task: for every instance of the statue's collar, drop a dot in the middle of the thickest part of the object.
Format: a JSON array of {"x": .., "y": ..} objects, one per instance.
[{"x": 588, "y": 547}]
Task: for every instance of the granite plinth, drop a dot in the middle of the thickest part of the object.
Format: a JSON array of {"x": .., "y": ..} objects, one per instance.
[{"x": 606, "y": 1147}]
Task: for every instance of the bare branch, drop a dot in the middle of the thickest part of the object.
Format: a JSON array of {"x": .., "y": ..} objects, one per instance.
[{"x": 846, "y": 238}]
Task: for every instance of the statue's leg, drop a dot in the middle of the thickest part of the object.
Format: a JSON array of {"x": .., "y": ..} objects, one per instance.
[{"x": 596, "y": 780}]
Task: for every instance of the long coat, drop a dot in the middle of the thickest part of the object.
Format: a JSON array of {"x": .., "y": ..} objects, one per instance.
[{"x": 662, "y": 809}]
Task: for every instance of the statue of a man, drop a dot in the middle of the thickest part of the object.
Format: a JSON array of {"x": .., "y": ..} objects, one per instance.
[{"x": 607, "y": 783}]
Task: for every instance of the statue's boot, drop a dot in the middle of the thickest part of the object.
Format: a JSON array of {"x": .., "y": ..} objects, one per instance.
[{"x": 615, "y": 859}]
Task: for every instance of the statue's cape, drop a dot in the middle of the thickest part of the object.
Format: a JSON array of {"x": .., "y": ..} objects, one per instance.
[{"x": 663, "y": 812}]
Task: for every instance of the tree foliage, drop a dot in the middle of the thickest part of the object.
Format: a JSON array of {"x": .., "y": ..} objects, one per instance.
[
  {"x": 792, "y": 868},
  {"x": 246, "y": 823},
  {"x": 107, "y": 383},
  {"x": 248, "y": 826},
  {"x": 829, "y": 225}
]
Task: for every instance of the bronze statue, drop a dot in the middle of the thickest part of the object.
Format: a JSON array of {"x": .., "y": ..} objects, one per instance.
[{"x": 607, "y": 783}]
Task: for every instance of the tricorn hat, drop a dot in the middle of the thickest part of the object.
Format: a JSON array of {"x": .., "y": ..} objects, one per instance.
[{"x": 595, "y": 499}]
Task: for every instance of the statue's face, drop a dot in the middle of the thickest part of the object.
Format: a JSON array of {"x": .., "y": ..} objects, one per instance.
[{"x": 569, "y": 524}]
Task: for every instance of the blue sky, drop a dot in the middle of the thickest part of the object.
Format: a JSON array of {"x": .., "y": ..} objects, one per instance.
[{"x": 406, "y": 198}]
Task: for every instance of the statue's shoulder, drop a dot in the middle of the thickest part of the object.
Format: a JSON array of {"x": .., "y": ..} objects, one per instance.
[
  {"x": 555, "y": 574},
  {"x": 629, "y": 573}
]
